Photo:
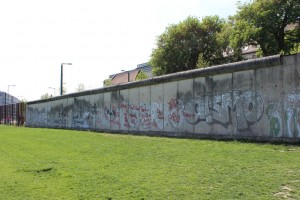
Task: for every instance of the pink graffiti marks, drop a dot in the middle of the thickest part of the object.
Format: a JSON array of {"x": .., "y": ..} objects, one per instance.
[
  {"x": 145, "y": 114},
  {"x": 124, "y": 123},
  {"x": 133, "y": 116},
  {"x": 176, "y": 112},
  {"x": 198, "y": 109},
  {"x": 191, "y": 113},
  {"x": 158, "y": 117},
  {"x": 218, "y": 109}
]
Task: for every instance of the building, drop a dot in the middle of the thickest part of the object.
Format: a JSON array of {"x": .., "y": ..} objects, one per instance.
[
  {"x": 9, "y": 99},
  {"x": 249, "y": 52},
  {"x": 131, "y": 75}
]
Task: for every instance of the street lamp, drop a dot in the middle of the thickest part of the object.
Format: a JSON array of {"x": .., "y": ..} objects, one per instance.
[{"x": 61, "y": 76}]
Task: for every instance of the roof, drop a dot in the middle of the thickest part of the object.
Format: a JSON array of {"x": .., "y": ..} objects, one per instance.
[
  {"x": 147, "y": 69},
  {"x": 122, "y": 77},
  {"x": 249, "y": 49},
  {"x": 9, "y": 99}
]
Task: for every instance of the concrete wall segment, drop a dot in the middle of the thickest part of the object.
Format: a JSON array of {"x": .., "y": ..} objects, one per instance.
[
  {"x": 157, "y": 108},
  {"x": 145, "y": 108},
  {"x": 256, "y": 99},
  {"x": 184, "y": 94},
  {"x": 107, "y": 111},
  {"x": 197, "y": 109},
  {"x": 221, "y": 104},
  {"x": 134, "y": 109},
  {"x": 124, "y": 108}
]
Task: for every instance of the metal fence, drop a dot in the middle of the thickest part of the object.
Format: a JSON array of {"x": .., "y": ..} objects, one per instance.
[{"x": 13, "y": 114}]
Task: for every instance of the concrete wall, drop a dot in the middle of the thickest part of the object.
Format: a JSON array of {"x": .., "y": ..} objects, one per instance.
[{"x": 256, "y": 99}]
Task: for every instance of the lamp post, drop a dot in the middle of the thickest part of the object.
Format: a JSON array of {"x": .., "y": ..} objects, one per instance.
[{"x": 61, "y": 76}]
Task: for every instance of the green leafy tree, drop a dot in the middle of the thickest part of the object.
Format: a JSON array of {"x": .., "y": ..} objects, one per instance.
[
  {"x": 179, "y": 47},
  {"x": 141, "y": 76},
  {"x": 230, "y": 53},
  {"x": 107, "y": 82},
  {"x": 202, "y": 63},
  {"x": 296, "y": 48},
  {"x": 270, "y": 24}
]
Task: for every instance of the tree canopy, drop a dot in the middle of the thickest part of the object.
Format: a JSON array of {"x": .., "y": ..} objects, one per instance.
[
  {"x": 46, "y": 96},
  {"x": 107, "y": 82},
  {"x": 179, "y": 47},
  {"x": 271, "y": 24},
  {"x": 141, "y": 76},
  {"x": 80, "y": 87}
]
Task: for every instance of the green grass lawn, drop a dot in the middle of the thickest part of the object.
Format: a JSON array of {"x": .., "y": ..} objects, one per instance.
[{"x": 64, "y": 164}]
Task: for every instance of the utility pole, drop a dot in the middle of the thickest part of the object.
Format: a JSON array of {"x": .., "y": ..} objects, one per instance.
[{"x": 61, "y": 76}]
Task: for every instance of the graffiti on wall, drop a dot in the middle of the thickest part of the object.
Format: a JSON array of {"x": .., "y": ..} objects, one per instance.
[
  {"x": 56, "y": 116},
  {"x": 240, "y": 109},
  {"x": 284, "y": 117},
  {"x": 245, "y": 108},
  {"x": 82, "y": 114},
  {"x": 292, "y": 107},
  {"x": 275, "y": 122}
]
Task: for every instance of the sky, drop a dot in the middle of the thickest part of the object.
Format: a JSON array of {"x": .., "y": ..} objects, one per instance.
[{"x": 99, "y": 38}]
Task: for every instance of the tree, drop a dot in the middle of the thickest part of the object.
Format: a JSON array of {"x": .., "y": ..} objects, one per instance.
[
  {"x": 179, "y": 47},
  {"x": 80, "y": 87},
  {"x": 107, "y": 82},
  {"x": 296, "y": 48},
  {"x": 64, "y": 90},
  {"x": 202, "y": 62},
  {"x": 46, "y": 96},
  {"x": 141, "y": 76},
  {"x": 265, "y": 23}
]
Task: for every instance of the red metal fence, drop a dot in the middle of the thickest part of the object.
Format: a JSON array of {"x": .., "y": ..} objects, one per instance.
[{"x": 13, "y": 114}]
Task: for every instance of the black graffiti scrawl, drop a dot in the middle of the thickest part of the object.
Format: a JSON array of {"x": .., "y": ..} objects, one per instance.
[
  {"x": 82, "y": 115},
  {"x": 247, "y": 107}
]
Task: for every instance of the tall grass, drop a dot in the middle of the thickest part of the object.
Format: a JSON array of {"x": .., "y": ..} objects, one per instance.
[{"x": 64, "y": 164}]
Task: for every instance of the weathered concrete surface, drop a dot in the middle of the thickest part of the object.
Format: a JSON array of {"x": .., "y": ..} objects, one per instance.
[{"x": 257, "y": 99}]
